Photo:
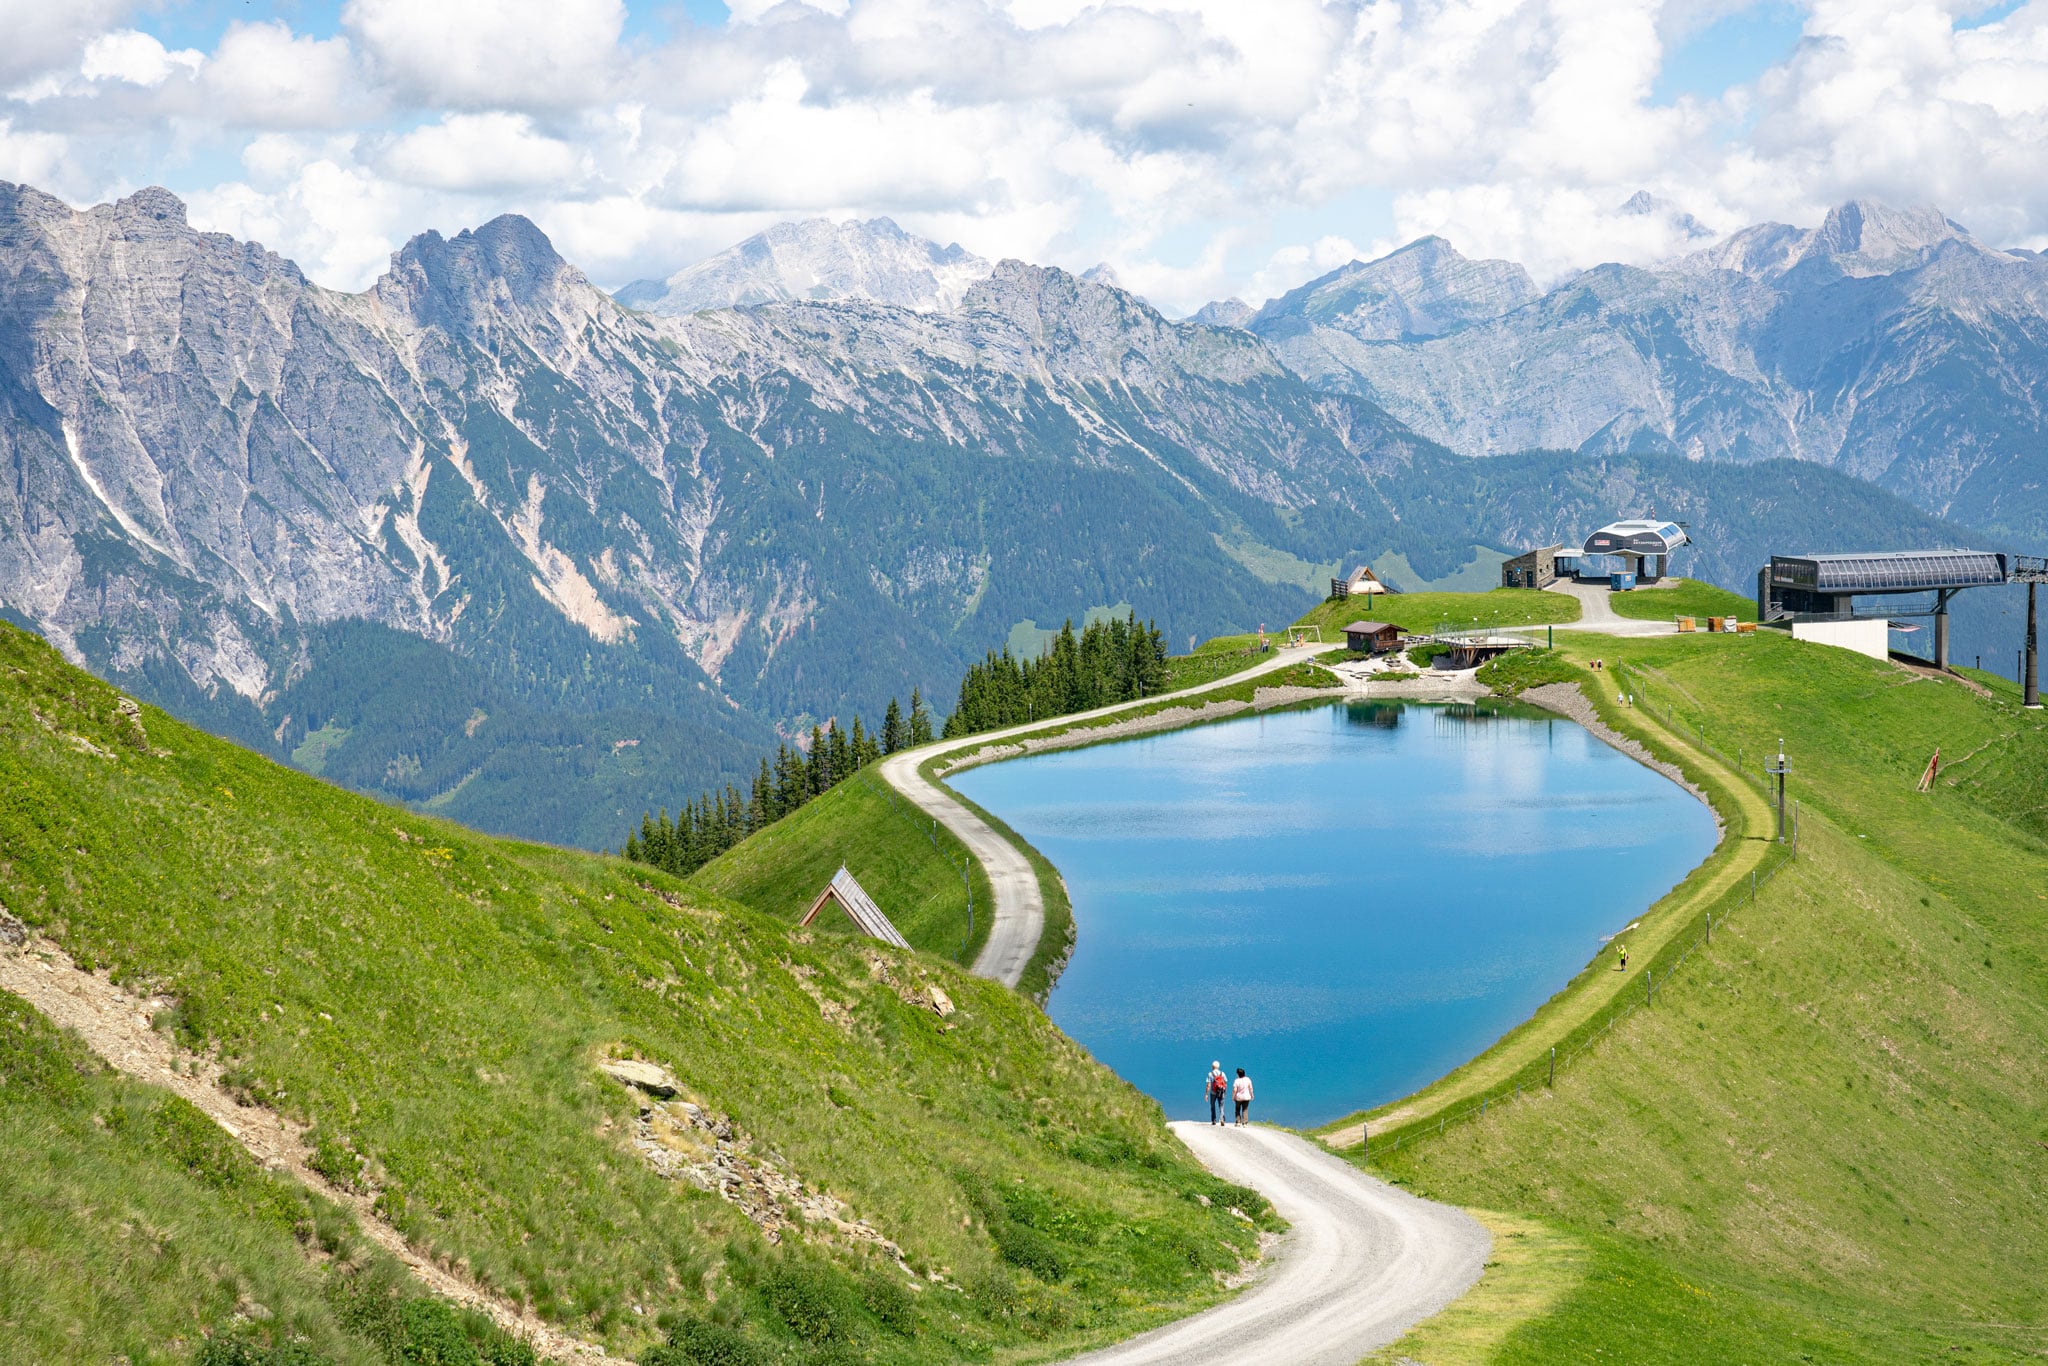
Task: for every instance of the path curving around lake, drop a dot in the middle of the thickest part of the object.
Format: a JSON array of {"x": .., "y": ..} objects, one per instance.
[
  {"x": 1017, "y": 920},
  {"x": 1362, "y": 1264},
  {"x": 1744, "y": 820}
]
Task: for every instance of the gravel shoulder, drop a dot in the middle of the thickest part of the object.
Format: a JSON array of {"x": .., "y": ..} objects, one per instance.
[{"x": 1362, "y": 1264}]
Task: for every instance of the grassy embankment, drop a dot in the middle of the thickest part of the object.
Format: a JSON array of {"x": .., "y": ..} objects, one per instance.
[
  {"x": 435, "y": 1001},
  {"x": 1454, "y": 611},
  {"x": 1827, "y": 1138},
  {"x": 133, "y": 1226},
  {"x": 915, "y": 869},
  {"x": 1682, "y": 598}
]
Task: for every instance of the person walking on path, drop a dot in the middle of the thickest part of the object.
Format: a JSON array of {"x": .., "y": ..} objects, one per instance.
[
  {"x": 1241, "y": 1092},
  {"x": 1622, "y": 949},
  {"x": 1218, "y": 1089}
]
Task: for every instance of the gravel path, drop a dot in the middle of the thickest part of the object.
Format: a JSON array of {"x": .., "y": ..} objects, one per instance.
[
  {"x": 1018, "y": 920},
  {"x": 1363, "y": 1263},
  {"x": 116, "y": 1025},
  {"x": 1596, "y": 614}
]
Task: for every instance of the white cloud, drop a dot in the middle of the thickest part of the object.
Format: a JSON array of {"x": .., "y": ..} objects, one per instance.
[
  {"x": 135, "y": 57},
  {"x": 481, "y": 152},
  {"x": 339, "y": 222},
  {"x": 1203, "y": 147},
  {"x": 46, "y": 35},
  {"x": 32, "y": 158},
  {"x": 492, "y": 53},
  {"x": 266, "y": 75}
]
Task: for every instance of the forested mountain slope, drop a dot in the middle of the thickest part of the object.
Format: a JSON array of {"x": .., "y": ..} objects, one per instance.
[
  {"x": 634, "y": 527},
  {"x": 485, "y": 541},
  {"x": 436, "y": 1004}
]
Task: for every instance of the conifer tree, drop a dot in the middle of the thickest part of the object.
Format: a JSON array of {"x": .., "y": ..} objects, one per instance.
[
  {"x": 816, "y": 773},
  {"x": 892, "y": 728},
  {"x": 920, "y": 720},
  {"x": 757, "y": 806},
  {"x": 840, "y": 754},
  {"x": 790, "y": 781}
]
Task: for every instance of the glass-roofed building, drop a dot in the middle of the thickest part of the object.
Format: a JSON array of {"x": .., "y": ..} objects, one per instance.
[
  {"x": 1643, "y": 546},
  {"x": 1812, "y": 587}
]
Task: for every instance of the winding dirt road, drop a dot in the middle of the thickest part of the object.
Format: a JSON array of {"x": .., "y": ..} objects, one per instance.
[
  {"x": 1363, "y": 1263},
  {"x": 1018, "y": 918}
]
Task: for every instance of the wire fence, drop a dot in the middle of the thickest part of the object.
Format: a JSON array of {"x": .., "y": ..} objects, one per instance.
[{"x": 1672, "y": 958}]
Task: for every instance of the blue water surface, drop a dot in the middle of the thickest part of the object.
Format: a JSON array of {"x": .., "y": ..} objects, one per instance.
[{"x": 1347, "y": 901}]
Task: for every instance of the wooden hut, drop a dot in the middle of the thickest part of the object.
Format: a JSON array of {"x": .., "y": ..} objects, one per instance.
[
  {"x": 860, "y": 908},
  {"x": 1376, "y": 637}
]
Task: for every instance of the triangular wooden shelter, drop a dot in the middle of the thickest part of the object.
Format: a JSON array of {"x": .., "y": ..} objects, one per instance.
[{"x": 860, "y": 908}]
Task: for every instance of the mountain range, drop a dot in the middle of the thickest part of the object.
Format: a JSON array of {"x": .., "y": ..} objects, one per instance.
[
  {"x": 1888, "y": 343},
  {"x": 490, "y": 541}
]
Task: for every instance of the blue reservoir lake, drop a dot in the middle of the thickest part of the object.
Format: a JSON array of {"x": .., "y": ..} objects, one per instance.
[{"x": 1346, "y": 901}]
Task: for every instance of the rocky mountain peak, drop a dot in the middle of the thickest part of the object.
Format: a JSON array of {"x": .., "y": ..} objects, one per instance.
[
  {"x": 1762, "y": 252},
  {"x": 818, "y": 260},
  {"x": 1643, "y": 204},
  {"x": 151, "y": 205},
  {"x": 1866, "y": 237},
  {"x": 1424, "y": 289},
  {"x": 1223, "y": 313},
  {"x": 481, "y": 277}
]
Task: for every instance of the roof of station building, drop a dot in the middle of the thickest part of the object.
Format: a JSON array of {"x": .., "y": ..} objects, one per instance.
[{"x": 1892, "y": 571}]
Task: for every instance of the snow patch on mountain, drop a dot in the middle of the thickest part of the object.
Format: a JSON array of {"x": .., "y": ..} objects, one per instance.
[{"x": 821, "y": 261}]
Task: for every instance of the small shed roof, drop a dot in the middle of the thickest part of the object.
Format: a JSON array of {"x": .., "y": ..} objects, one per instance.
[
  {"x": 1369, "y": 628},
  {"x": 860, "y": 908}
]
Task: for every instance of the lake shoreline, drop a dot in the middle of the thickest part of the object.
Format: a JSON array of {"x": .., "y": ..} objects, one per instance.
[
  {"x": 1220, "y": 917},
  {"x": 1430, "y": 687},
  {"x": 1569, "y": 701}
]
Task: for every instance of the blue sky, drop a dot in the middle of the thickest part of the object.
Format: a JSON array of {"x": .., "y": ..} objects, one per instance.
[
  {"x": 1731, "y": 51},
  {"x": 1202, "y": 147}
]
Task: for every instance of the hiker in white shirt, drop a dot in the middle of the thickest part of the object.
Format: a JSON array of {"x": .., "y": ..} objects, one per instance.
[{"x": 1241, "y": 1092}]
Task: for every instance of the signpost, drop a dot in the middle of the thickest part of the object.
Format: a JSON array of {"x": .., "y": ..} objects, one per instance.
[{"x": 1779, "y": 767}]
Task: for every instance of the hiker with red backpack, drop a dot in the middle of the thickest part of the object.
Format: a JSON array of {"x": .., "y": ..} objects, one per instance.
[{"x": 1218, "y": 1087}]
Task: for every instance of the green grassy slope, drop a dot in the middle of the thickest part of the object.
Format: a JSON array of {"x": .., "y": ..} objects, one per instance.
[
  {"x": 434, "y": 1001},
  {"x": 1459, "y": 611},
  {"x": 1682, "y": 598},
  {"x": 133, "y": 1228},
  {"x": 1828, "y": 1137},
  {"x": 911, "y": 866}
]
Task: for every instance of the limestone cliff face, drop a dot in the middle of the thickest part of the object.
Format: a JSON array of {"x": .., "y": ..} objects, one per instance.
[{"x": 1888, "y": 343}]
